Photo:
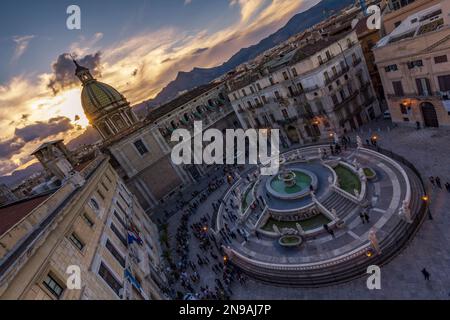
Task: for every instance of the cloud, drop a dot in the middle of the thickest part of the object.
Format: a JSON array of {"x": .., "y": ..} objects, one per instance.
[
  {"x": 22, "y": 43},
  {"x": 138, "y": 66},
  {"x": 10, "y": 147},
  {"x": 41, "y": 130},
  {"x": 64, "y": 70},
  {"x": 187, "y": 2}
]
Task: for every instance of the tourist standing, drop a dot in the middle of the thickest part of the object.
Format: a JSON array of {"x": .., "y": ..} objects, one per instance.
[
  {"x": 426, "y": 274},
  {"x": 438, "y": 182}
]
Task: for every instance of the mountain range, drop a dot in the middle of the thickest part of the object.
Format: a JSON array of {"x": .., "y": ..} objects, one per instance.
[{"x": 199, "y": 76}]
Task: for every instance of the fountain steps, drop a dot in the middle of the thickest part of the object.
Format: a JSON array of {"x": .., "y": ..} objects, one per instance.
[
  {"x": 394, "y": 241},
  {"x": 341, "y": 204}
]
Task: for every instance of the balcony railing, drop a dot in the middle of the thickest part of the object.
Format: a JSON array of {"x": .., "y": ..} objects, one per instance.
[
  {"x": 311, "y": 89},
  {"x": 346, "y": 100},
  {"x": 336, "y": 76},
  {"x": 422, "y": 95},
  {"x": 357, "y": 61}
]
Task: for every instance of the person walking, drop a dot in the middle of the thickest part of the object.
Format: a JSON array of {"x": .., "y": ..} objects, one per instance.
[
  {"x": 447, "y": 186},
  {"x": 366, "y": 216},
  {"x": 438, "y": 182},
  {"x": 426, "y": 274},
  {"x": 361, "y": 215},
  {"x": 431, "y": 180}
]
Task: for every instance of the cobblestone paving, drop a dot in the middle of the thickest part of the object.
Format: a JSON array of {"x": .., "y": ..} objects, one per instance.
[{"x": 428, "y": 150}]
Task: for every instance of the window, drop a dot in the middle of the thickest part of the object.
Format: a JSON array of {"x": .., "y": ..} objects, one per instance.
[
  {"x": 88, "y": 220},
  {"x": 104, "y": 186},
  {"x": 252, "y": 90},
  {"x": 140, "y": 146},
  {"x": 244, "y": 93},
  {"x": 440, "y": 59},
  {"x": 328, "y": 54},
  {"x": 76, "y": 241},
  {"x": 94, "y": 204},
  {"x": 53, "y": 286},
  {"x": 119, "y": 235},
  {"x": 285, "y": 114},
  {"x": 334, "y": 70},
  {"x": 444, "y": 83},
  {"x": 326, "y": 76},
  {"x": 249, "y": 104},
  {"x": 277, "y": 95},
  {"x": 120, "y": 207},
  {"x": 108, "y": 178},
  {"x": 300, "y": 86},
  {"x": 391, "y": 68},
  {"x": 271, "y": 81},
  {"x": 119, "y": 218},
  {"x": 335, "y": 99},
  {"x": 423, "y": 86},
  {"x": 109, "y": 279},
  {"x": 234, "y": 96},
  {"x": 398, "y": 88},
  {"x": 258, "y": 86},
  {"x": 264, "y": 99},
  {"x": 294, "y": 72},
  {"x": 285, "y": 75},
  {"x": 123, "y": 198},
  {"x": 102, "y": 196},
  {"x": 115, "y": 253},
  {"x": 415, "y": 64}
]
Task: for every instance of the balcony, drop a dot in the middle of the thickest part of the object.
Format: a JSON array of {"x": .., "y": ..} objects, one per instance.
[
  {"x": 346, "y": 100},
  {"x": 420, "y": 96},
  {"x": 311, "y": 89},
  {"x": 287, "y": 121},
  {"x": 336, "y": 76},
  {"x": 356, "y": 62}
]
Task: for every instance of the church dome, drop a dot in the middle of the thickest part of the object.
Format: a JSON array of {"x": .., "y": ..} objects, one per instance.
[{"x": 96, "y": 96}]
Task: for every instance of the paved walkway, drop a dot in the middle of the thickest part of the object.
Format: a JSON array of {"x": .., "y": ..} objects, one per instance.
[{"x": 428, "y": 150}]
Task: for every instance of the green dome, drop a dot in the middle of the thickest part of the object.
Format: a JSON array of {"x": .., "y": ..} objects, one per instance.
[{"x": 98, "y": 95}]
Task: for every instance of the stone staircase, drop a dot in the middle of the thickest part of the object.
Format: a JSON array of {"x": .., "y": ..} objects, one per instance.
[
  {"x": 395, "y": 239},
  {"x": 343, "y": 205}
]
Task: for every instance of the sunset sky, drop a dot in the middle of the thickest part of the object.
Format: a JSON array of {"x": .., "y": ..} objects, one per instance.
[{"x": 137, "y": 46}]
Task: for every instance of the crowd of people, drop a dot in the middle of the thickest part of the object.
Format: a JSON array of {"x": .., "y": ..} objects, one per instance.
[{"x": 192, "y": 275}]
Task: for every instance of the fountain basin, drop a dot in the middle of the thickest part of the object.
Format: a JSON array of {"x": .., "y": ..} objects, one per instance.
[{"x": 292, "y": 184}]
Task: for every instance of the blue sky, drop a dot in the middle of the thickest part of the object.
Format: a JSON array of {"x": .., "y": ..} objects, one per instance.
[{"x": 137, "y": 46}]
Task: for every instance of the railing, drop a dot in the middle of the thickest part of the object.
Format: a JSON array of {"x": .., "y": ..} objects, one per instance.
[
  {"x": 337, "y": 75},
  {"x": 346, "y": 100}
]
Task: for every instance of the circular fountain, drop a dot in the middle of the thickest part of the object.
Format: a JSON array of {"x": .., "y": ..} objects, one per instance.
[{"x": 292, "y": 183}]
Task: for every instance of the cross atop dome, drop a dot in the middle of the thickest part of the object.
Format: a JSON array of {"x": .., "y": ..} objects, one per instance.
[{"x": 82, "y": 73}]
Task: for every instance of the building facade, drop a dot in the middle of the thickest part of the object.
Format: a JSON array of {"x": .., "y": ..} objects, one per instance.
[
  {"x": 140, "y": 149},
  {"x": 91, "y": 224},
  {"x": 397, "y": 11},
  {"x": 414, "y": 64},
  {"x": 314, "y": 92}
]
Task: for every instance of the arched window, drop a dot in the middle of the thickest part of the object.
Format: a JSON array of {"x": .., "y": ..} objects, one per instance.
[
  {"x": 94, "y": 204},
  {"x": 105, "y": 129},
  {"x": 118, "y": 121}
]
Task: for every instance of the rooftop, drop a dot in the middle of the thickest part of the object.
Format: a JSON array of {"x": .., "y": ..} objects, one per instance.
[
  {"x": 161, "y": 111},
  {"x": 16, "y": 211},
  {"x": 422, "y": 22}
]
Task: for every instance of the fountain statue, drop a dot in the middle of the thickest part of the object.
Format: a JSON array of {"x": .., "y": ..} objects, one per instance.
[{"x": 359, "y": 141}]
